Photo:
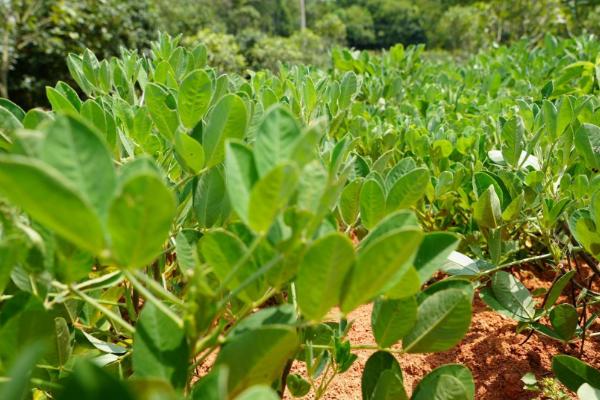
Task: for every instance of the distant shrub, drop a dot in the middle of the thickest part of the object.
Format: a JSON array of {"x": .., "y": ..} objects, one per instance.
[
  {"x": 302, "y": 47},
  {"x": 359, "y": 26},
  {"x": 463, "y": 28},
  {"x": 223, "y": 50},
  {"x": 331, "y": 28}
]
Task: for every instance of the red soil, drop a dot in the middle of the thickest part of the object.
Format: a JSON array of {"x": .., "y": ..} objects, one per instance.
[{"x": 492, "y": 350}]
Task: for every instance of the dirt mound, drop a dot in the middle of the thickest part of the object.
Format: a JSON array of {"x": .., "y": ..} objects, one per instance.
[{"x": 496, "y": 355}]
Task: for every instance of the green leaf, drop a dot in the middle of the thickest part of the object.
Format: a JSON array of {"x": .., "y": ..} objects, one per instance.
[
  {"x": 270, "y": 195},
  {"x": 564, "y": 319},
  {"x": 164, "y": 117},
  {"x": 513, "y": 296},
  {"x": 8, "y": 124},
  {"x": 212, "y": 386},
  {"x": 409, "y": 284},
  {"x": 380, "y": 266},
  {"x": 258, "y": 392},
  {"x": 487, "y": 212},
  {"x": 88, "y": 381},
  {"x": 512, "y": 137},
  {"x": 373, "y": 379},
  {"x": 393, "y": 319},
  {"x": 276, "y": 139},
  {"x": 160, "y": 349},
  {"x": 266, "y": 351},
  {"x": 587, "y": 144},
  {"x": 64, "y": 346},
  {"x": 227, "y": 120},
  {"x": 588, "y": 392},
  {"x": 408, "y": 190},
  {"x": 432, "y": 385},
  {"x": 18, "y": 385},
  {"x": 223, "y": 251},
  {"x": 77, "y": 152},
  {"x": 433, "y": 253},
  {"x": 187, "y": 255},
  {"x": 348, "y": 87},
  {"x": 103, "y": 346},
  {"x": 52, "y": 200},
  {"x": 211, "y": 202},
  {"x": 297, "y": 385},
  {"x": 190, "y": 151},
  {"x": 13, "y": 108},
  {"x": 557, "y": 289},
  {"x": 284, "y": 314},
  {"x": 392, "y": 222},
  {"x": 549, "y": 114},
  {"x": 372, "y": 203},
  {"x": 443, "y": 318},
  {"x": 194, "y": 97},
  {"x": 34, "y": 118},
  {"x": 349, "y": 205},
  {"x": 241, "y": 175},
  {"x": 573, "y": 372},
  {"x": 98, "y": 118},
  {"x": 139, "y": 219},
  {"x": 59, "y": 102},
  {"x": 389, "y": 387},
  {"x": 321, "y": 274}
]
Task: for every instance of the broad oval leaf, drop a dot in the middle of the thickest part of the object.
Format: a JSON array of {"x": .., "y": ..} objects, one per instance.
[
  {"x": 163, "y": 116},
  {"x": 211, "y": 203},
  {"x": 52, "y": 200},
  {"x": 258, "y": 392},
  {"x": 392, "y": 319},
  {"x": 266, "y": 351},
  {"x": 241, "y": 175},
  {"x": 77, "y": 152},
  {"x": 160, "y": 349},
  {"x": 408, "y": 190},
  {"x": 227, "y": 120},
  {"x": 223, "y": 252},
  {"x": 139, "y": 219},
  {"x": 373, "y": 379},
  {"x": 349, "y": 205},
  {"x": 321, "y": 274},
  {"x": 379, "y": 266},
  {"x": 573, "y": 372},
  {"x": 372, "y": 203},
  {"x": 564, "y": 320},
  {"x": 194, "y": 97},
  {"x": 269, "y": 195},
  {"x": 487, "y": 211},
  {"x": 276, "y": 139},
  {"x": 432, "y": 386},
  {"x": 511, "y": 297},
  {"x": 190, "y": 151},
  {"x": 443, "y": 318},
  {"x": 433, "y": 253}
]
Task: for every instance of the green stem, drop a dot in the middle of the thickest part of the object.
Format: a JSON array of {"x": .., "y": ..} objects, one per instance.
[
  {"x": 113, "y": 316},
  {"x": 241, "y": 262},
  {"x": 152, "y": 299},
  {"x": 518, "y": 262},
  {"x": 358, "y": 347},
  {"x": 158, "y": 289}
]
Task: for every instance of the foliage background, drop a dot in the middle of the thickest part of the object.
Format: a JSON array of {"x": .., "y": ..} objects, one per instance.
[{"x": 251, "y": 34}]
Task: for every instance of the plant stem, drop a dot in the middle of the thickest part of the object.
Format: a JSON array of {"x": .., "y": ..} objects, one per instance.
[
  {"x": 152, "y": 299},
  {"x": 517, "y": 262},
  {"x": 241, "y": 261},
  {"x": 113, "y": 316},
  {"x": 359, "y": 347},
  {"x": 158, "y": 289}
]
